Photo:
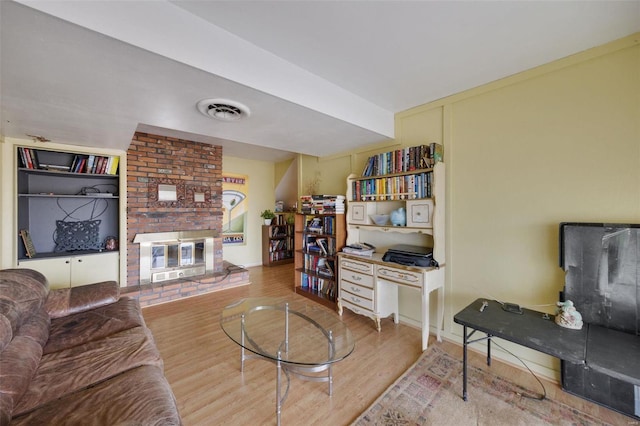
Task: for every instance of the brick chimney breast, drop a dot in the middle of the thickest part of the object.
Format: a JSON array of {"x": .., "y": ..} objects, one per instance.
[{"x": 192, "y": 167}]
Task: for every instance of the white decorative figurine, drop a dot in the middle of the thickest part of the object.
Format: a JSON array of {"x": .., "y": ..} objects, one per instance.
[{"x": 567, "y": 316}]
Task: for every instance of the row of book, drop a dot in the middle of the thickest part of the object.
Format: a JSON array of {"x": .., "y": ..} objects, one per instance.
[
  {"x": 322, "y": 246},
  {"x": 95, "y": 164},
  {"x": 321, "y": 225},
  {"x": 322, "y": 204},
  {"x": 404, "y": 160},
  {"x": 28, "y": 158},
  {"x": 319, "y": 265},
  {"x": 408, "y": 187},
  {"x": 321, "y": 286},
  {"x": 280, "y": 255},
  {"x": 279, "y": 245},
  {"x": 279, "y": 231}
]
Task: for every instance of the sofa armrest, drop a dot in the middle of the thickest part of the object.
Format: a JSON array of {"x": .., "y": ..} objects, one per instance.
[{"x": 67, "y": 301}]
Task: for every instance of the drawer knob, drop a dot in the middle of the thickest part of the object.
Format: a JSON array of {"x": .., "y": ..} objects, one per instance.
[
  {"x": 355, "y": 289},
  {"x": 356, "y": 278}
]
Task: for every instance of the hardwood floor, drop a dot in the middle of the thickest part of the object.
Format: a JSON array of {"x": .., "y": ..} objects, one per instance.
[{"x": 203, "y": 367}]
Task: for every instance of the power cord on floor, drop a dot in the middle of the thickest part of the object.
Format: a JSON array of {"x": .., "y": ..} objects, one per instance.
[{"x": 544, "y": 391}]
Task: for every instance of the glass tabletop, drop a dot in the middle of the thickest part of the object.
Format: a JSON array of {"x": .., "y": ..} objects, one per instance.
[{"x": 295, "y": 332}]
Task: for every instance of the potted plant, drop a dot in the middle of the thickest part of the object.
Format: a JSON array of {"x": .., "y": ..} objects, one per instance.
[{"x": 267, "y": 215}]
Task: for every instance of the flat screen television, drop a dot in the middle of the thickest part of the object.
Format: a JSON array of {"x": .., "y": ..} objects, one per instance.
[{"x": 602, "y": 272}]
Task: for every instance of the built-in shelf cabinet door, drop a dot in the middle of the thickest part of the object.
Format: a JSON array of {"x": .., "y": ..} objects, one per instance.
[{"x": 72, "y": 271}]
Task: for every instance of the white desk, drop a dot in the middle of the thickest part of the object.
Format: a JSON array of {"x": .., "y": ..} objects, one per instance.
[{"x": 369, "y": 286}]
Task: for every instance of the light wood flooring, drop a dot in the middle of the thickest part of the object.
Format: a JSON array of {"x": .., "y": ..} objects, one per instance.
[{"x": 203, "y": 367}]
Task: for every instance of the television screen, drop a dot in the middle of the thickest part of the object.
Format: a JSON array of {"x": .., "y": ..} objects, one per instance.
[{"x": 602, "y": 268}]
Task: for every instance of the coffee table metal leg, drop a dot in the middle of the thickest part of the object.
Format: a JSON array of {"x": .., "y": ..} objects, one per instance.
[
  {"x": 331, "y": 350},
  {"x": 242, "y": 345},
  {"x": 278, "y": 402},
  {"x": 286, "y": 327}
]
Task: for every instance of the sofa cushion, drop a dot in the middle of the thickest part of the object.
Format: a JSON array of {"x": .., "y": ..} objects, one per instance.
[
  {"x": 72, "y": 369},
  {"x": 67, "y": 301},
  {"x": 93, "y": 324},
  {"x": 26, "y": 289},
  {"x": 32, "y": 284},
  {"x": 18, "y": 364},
  {"x": 36, "y": 327},
  {"x": 9, "y": 318},
  {"x": 19, "y": 360},
  {"x": 140, "y": 396}
]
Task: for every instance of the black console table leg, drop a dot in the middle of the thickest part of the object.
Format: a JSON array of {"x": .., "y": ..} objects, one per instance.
[
  {"x": 488, "y": 349},
  {"x": 464, "y": 363}
]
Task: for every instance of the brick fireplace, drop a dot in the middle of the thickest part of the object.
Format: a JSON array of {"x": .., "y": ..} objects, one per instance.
[{"x": 174, "y": 186}]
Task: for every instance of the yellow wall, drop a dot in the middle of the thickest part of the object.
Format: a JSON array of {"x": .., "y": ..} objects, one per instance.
[
  {"x": 557, "y": 143},
  {"x": 261, "y": 197}
]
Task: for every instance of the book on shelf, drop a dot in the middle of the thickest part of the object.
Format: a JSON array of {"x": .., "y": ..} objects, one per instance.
[
  {"x": 358, "y": 252},
  {"x": 322, "y": 243},
  {"x": 54, "y": 167},
  {"x": 361, "y": 249},
  {"x": 402, "y": 187},
  {"x": 403, "y": 160},
  {"x": 28, "y": 158},
  {"x": 322, "y": 204},
  {"x": 325, "y": 268},
  {"x": 315, "y": 225},
  {"x": 94, "y": 164}
]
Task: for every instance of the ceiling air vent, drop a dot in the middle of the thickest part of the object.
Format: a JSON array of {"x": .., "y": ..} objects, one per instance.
[{"x": 223, "y": 109}]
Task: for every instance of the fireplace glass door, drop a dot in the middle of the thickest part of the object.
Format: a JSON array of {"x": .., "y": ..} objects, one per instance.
[
  {"x": 172, "y": 255},
  {"x": 186, "y": 254}
]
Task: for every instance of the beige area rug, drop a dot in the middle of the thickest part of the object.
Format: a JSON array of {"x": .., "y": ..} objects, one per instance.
[{"x": 430, "y": 393}]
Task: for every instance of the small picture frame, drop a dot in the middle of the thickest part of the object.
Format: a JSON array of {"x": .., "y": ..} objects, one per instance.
[{"x": 28, "y": 244}]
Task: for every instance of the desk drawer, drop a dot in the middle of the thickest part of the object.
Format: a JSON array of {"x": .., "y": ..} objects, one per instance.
[
  {"x": 410, "y": 278},
  {"x": 357, "y": 278},
  {"x": 355, "y": 265},
  {"x": 356, "y": 289},
  {"x": 355, "y": 308},
  {"x": 357, "y": 300}
]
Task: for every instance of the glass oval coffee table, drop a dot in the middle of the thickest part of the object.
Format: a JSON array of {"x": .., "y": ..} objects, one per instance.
[{"x": 301, "y": 337}]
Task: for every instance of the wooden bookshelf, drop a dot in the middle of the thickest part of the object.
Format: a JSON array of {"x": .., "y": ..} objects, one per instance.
[
  {"x": 318, "y": 240},
  {"x": 278, "y": 241}
]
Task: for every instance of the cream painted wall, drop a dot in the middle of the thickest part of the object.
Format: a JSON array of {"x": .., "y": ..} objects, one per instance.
[
  {"x": 261, "y": 196},
  {"x": 286, "y": 182},
  {"x": 6, "y": 191},
  {"x": 560, "y": 144},
  {"x": 557, "y": 143}
]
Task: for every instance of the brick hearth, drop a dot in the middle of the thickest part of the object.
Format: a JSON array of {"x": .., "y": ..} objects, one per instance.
[{"x": 153, "y": 294}]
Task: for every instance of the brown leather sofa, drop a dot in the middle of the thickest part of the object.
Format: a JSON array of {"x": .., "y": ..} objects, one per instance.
[{"x": 80, "y": 355}]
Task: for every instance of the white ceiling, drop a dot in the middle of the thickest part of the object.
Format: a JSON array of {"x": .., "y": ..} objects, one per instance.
[{"x": 320, "y": 77}]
